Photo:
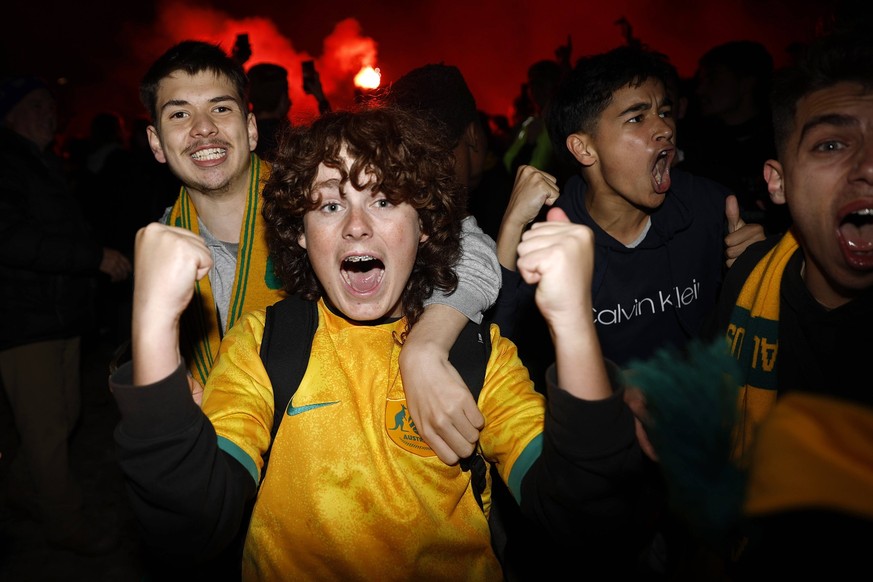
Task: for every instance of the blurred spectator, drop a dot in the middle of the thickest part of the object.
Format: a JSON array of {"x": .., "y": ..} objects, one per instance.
[
  {"x": 730, "y": 135},
  {"x": 531, "y": 144},
  {"x": 270, "y": 102},
  {"x": 49, "y": 262}
]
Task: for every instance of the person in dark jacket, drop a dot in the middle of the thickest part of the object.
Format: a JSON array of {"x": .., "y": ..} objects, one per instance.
[
  {"x": 661, "y": 235},
  {"x": 49, "y": 263}
]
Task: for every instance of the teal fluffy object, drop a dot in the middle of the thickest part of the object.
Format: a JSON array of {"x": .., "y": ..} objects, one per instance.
[{"x": 691, "y": 399}]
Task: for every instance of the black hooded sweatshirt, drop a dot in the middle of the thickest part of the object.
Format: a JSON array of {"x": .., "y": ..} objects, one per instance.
[{"x": 659, "y": 293}]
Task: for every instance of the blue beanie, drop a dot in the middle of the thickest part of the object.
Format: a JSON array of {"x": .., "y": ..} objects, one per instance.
[{"x": 14, "y": 89}]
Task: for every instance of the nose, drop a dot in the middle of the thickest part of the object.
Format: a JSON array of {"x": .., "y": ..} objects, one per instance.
[
  {"x": 357, "y": 223},
  {"x": 203, "y": 125},
  {"x": 663, "y": 129},
  {"x": 863, "y": 168}
]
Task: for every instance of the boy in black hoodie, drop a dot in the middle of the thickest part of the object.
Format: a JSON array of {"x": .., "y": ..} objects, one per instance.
[
  {"x": 660, "y": 234},
  {"x": 663, "y": 237}
]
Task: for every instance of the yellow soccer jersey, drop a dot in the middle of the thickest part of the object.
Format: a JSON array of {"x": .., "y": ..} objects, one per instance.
[{"x": 352, "y": 491}]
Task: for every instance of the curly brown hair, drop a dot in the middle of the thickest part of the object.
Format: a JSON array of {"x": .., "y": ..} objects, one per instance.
[{"x": 395, "y": 151}]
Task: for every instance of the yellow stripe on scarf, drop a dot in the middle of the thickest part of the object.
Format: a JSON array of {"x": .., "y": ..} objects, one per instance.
[
  {"x": 813, "y": 452},
  {"x": 753, "y": 337},
  {"x": 254, "y": 287}
]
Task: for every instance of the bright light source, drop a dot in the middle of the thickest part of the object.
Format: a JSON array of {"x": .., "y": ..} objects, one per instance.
[{"x": 368, "y": 78}]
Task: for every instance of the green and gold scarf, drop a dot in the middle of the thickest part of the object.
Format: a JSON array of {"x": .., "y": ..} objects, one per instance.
[
  {"x": 255, "y": 285},
  {"x": 753, "y": 337}
]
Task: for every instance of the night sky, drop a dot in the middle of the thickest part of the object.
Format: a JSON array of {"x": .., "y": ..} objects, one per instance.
[{"x": 99, "y": 49}]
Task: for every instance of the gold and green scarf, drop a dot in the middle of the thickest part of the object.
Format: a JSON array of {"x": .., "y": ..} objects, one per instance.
[
  {"x": 255, "y": 285},
  {"x": 753, "y": 337}
]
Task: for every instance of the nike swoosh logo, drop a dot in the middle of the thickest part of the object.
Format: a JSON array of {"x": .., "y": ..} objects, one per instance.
[{"x": 295, "y": 410}]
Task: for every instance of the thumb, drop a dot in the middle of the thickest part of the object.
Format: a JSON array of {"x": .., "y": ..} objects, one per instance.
[
  {"x": 557, "y": 215},
  {"x": 732, "y": 212}
]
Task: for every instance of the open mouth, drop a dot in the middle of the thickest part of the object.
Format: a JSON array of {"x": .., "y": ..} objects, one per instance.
[
  {"x": 661, "y": 171},
  {"x": 209, "y": 154},
  {"x": 856, "y": 234},
  {"x": 362, "y": 273}
]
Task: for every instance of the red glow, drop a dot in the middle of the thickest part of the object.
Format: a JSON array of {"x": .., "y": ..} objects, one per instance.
[
  {"x": 345, "y": 51},
  {"x": 492, "y": 42},
  {"x": 368, "y": 78}
]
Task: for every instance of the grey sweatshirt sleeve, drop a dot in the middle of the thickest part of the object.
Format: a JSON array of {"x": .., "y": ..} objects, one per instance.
[{"x": 478, "y": 271}]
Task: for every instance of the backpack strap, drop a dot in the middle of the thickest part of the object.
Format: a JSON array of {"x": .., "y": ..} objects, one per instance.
[
  {"x": 469, "y": 355},
  {"x": 289, "y": 327}
]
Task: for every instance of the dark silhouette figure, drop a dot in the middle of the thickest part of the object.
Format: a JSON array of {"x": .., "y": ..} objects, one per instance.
[
  {"x": 728, "y": 134},
  {"x": 49, "y": 264},
  {"x": 130, "y": 190},
  {"x": 270, "y": 102}
]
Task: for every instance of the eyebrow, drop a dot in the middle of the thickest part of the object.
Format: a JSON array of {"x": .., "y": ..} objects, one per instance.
[
  {"x": 635, "y": 108},
  {"x": 216, "y": 99},
  {"x": 835, "y": 119},
  {"x": 330, "y": 183}
]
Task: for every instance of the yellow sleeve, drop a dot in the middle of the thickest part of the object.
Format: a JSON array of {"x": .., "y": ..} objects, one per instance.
[
  {"x": 238, "y": 397},
  {"x": 514, "y": 412}
]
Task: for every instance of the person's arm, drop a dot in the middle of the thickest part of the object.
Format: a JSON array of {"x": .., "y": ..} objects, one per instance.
[
  {"x": 532, "y": 189},
  {"x": 312, "y": 86},
  {"x": 583, "y": 485},
  {"x": 442, "y": 407},
  {"x": 187, "y": 495},
  {"x": 558, "y": 257}
]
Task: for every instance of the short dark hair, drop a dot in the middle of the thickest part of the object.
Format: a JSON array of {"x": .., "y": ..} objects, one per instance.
[
  {"x": 440, "y": 94},
  {"x": 192, "y": 57},
  {"x": 268, "y": 83},
  {"x": 839, "y": 57},
  {"x": 393, "y": 146},
  {"x": 589, "y": 88}
]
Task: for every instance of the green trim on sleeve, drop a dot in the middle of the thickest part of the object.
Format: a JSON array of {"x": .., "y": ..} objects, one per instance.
[
  {"x": 524, "y": 461},
  {"x": 240, "y": 455}
]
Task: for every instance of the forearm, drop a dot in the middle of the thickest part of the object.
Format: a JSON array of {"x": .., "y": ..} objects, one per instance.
[
  {"x": 154, "y": 348},
  {"x": 187, "y": 495},
  {"x": 579, "y": 359},
  {"x": 585, "y": 484},
  {"x": 479, "y": 276},
  {"x": 441, "y": 404},
  {"x": 508, "y": 238},
  {"x": 435, "y": 332}
]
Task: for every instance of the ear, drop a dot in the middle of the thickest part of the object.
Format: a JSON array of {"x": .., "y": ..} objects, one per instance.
[
  {"x": 301, "y": 240},
  {"x": 775, "y": 182},
  {"x": 155, "y": 144},
  {"x": 253, "y": 131},
  {"x": 423, "y": 236},
  {"x": 581, "y": 148}
]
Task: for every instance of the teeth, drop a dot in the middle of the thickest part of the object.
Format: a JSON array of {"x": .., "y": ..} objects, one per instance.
[
  {"x": 360, "y": 258},
  {"x": 208, "y": 154},
  {"x": 865, "y": 212}
]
